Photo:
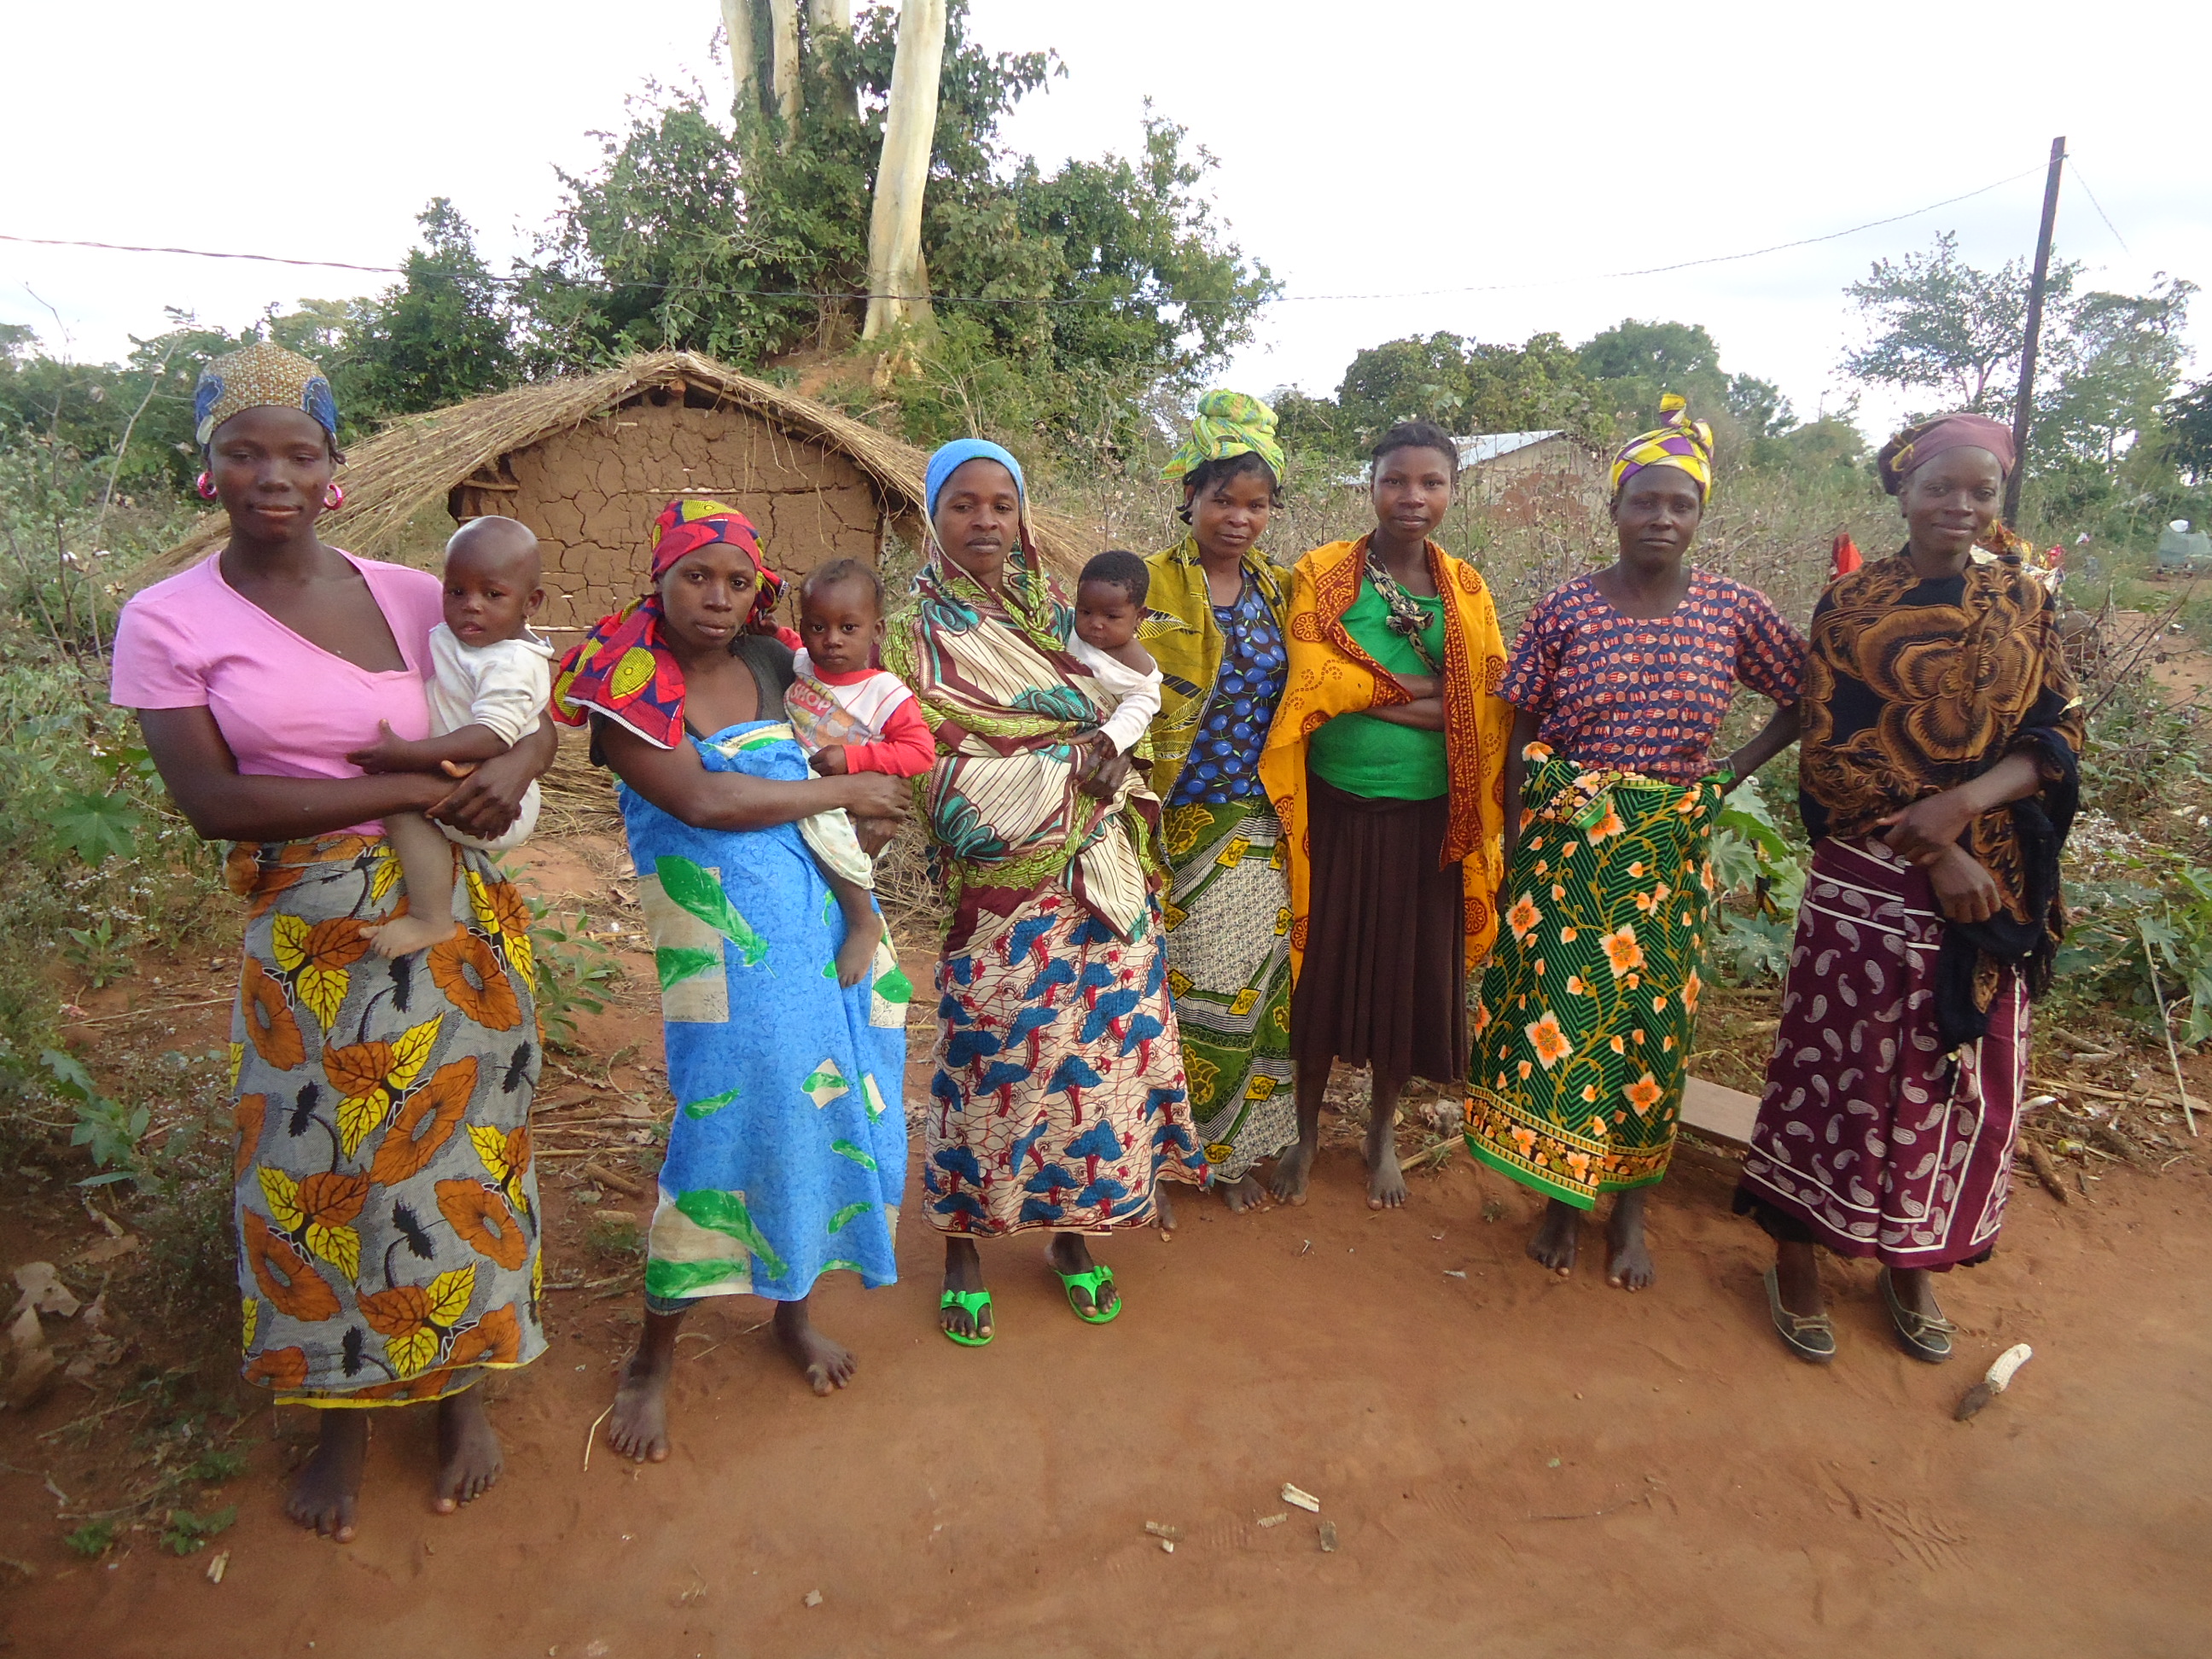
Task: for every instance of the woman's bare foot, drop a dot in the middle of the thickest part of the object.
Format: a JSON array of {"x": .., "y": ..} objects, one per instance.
[
  {"x": 406, "y": 935},
  {"x": 469, "y": 1457},
  {"x": 828, "y": 1365},
  {"x": 1628, "y": 1264},
  {"x": 1245, "y": 1193},
  {"x": 1163, "y": 1216},
  {"x": 1293, "y": 1170},
  {"x": 1386, "y": 1181},
  {"x": 328, "y": 1486},
  {"x": 1557, "y": 1241},
  {"x": 1068, "y": 1254},
  {"x": 639, "y": 1427},
  {"x": 963, "y": 1271}
]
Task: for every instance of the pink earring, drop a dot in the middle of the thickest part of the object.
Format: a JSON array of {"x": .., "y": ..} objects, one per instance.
[
  {"x": 334, "y": 498},
  {"x": 205, "y": 485}
]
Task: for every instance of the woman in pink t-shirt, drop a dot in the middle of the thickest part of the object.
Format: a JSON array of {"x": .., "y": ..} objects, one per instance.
[{"x": 385, "y": 1205}]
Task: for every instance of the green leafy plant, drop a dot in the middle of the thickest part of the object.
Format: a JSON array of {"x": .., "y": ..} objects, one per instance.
[
  {"x": 98, "y": 827},
  {"x": 187, "y": 1533},
  {"x": 92, "y": 1540},
  {"x": 1754, "y": 863},
  {"x": 2156, "y": 908},
  {"x": 99, "y": 952},
  {"x": 574, "y": 972},
  {"x": 109, "y": 1128}
]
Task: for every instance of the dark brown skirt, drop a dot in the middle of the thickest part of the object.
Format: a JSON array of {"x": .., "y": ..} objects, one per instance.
[{"x": 1383, "y": 983}]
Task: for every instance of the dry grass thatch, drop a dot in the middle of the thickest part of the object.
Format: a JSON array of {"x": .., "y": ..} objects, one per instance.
[{"x": 417, "y": 462}]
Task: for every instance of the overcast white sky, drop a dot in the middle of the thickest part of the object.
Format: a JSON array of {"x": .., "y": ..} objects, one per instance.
[{"x": 1486, "y": 164}]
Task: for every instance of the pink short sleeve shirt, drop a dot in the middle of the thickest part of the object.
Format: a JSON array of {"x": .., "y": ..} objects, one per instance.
[{"x": 287, "y": 707}]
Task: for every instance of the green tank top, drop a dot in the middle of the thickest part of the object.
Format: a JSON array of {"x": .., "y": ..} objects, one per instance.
[{"x": 1363, "y": 755}]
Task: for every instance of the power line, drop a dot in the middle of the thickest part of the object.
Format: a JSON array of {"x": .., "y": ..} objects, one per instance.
[
  {"x": 982, "y": 300},
  {"x": 2082, "y": 180}
]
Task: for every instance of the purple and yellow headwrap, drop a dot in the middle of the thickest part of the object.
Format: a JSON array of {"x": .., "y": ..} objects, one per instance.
[
  {"x": 1918, "y": 445},
  {"x": 1677, "y": 440},
  {"x": 622, "y": 668},
  {"x": 260, "y": 377}
]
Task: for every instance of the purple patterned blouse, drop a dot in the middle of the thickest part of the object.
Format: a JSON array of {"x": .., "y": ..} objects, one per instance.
[{"x": 1647, "y": 694}]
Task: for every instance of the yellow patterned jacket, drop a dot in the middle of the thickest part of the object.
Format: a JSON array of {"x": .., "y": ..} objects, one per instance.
[
  {"x": 1331, "y": 675},
  {"x": 1184, "y": 640}
]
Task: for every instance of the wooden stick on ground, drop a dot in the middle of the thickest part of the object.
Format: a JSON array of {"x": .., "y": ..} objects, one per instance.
[{"x": 2045, "y": 1170}]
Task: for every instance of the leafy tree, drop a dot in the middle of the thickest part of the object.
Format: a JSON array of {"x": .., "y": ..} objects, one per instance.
[
  {"x": 2188, "y": 420},
  {"x": 1408, "y": 379},
  {"x": 443, "y": 335},
  {"x": 1633, "y": 364},
  {"x": 1462, "y": 385},
  {"x": 1936, "y": 323},
  {"x": 1758, "y": 406},
  {"x": 2116, "y": 360},
  {"x": 1304, "y": 422},
  {"x": 1534, "y": 386},
  {"x": 752, "y": 241}
]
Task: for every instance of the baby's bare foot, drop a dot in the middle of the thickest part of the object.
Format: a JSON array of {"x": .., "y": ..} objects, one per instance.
[{"x": 407, "y": 934}]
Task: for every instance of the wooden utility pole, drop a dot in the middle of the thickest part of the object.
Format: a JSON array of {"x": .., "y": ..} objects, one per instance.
[{"x": 2025, "y": 406}]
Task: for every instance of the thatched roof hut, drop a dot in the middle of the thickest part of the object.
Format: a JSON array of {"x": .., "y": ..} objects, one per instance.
[{"x": 586, "y": 460}]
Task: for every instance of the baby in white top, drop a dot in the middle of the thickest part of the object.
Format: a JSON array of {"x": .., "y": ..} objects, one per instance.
[
  {"x": 1110, "y": 602},
  {"x": 494, "y": 677}
]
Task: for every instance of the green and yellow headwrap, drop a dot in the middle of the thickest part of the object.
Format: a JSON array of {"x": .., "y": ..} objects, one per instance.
[
  {"x": 260, "y": 377},
  {"x": 1677, "y": 440},
  {"x": 1228, "y": 423}
]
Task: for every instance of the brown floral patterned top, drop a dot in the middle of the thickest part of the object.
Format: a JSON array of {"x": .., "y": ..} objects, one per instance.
[{"x": 1914, "y": 686}]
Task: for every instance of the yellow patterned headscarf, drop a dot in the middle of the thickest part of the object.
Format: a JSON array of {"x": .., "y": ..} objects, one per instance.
[
  {"x": 1227, "y": 423},
  {"x": 260, "y": 377},
  {"x": 1677, "y": 440}
]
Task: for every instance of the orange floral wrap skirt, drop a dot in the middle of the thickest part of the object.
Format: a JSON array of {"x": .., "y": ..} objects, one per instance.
[{"x": 385, "y": 1205}]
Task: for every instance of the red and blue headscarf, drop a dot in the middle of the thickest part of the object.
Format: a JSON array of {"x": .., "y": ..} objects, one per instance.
[{"x": 622, "y": 668}]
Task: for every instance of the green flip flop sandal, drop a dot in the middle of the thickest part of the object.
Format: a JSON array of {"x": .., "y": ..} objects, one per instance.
[
  {"x": 975, "y": 1305},
  {"x": 1093, "y": 1280}
]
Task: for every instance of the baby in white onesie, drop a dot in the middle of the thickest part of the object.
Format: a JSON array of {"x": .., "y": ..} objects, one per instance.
[
  {"x": 494, "y": 676},
  {"x": 1110, "y": 602}
]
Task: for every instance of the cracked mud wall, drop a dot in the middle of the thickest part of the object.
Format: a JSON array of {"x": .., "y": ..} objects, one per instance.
[{"x": 591, "y": 495}]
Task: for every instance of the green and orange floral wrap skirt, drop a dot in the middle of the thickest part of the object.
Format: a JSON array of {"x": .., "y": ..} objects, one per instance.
[
  {"x": 1583, "y": 1034},
  {"x": 385, "y": 1205}
]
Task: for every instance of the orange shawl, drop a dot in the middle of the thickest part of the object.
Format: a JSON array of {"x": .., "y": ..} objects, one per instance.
[{"x": 1331, "y": 675}]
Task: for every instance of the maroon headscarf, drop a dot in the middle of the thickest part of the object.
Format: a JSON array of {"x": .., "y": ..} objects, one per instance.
[{"x": 1917, "y": 446}]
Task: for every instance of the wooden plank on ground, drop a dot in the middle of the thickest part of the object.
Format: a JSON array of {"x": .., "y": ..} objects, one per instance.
[{"x": 1713, "y": 1111}]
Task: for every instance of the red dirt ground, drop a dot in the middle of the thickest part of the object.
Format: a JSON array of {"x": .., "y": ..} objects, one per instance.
[{"x": 1513, "y": 1464}]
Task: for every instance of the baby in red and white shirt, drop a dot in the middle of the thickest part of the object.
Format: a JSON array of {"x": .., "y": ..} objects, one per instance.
[{"x": 849, "y": 716}]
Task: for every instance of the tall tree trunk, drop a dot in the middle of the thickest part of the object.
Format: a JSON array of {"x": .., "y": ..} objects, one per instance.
[
  {"x": 823, "y": 19},
  {"x": 898, "y": 288},
  {"x": 783, "y": 47},
  {"x": 745, "y": 53}
]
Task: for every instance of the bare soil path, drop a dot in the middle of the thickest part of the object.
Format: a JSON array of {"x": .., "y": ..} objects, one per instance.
[{"x": 1513, "y": 1464}]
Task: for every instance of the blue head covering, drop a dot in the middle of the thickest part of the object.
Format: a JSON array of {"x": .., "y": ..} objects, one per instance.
[{"x": 957, "y": 454}]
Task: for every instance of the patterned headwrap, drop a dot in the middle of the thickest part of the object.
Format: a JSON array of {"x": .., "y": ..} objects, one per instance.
[
  {"x": 260, "y": 377},
  {"x": 1227, "y": 423},
  {"x": 622, "y": 668},
  {"x": 1677, "y": 440},
  {"x": 1918, "y": 445}
]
